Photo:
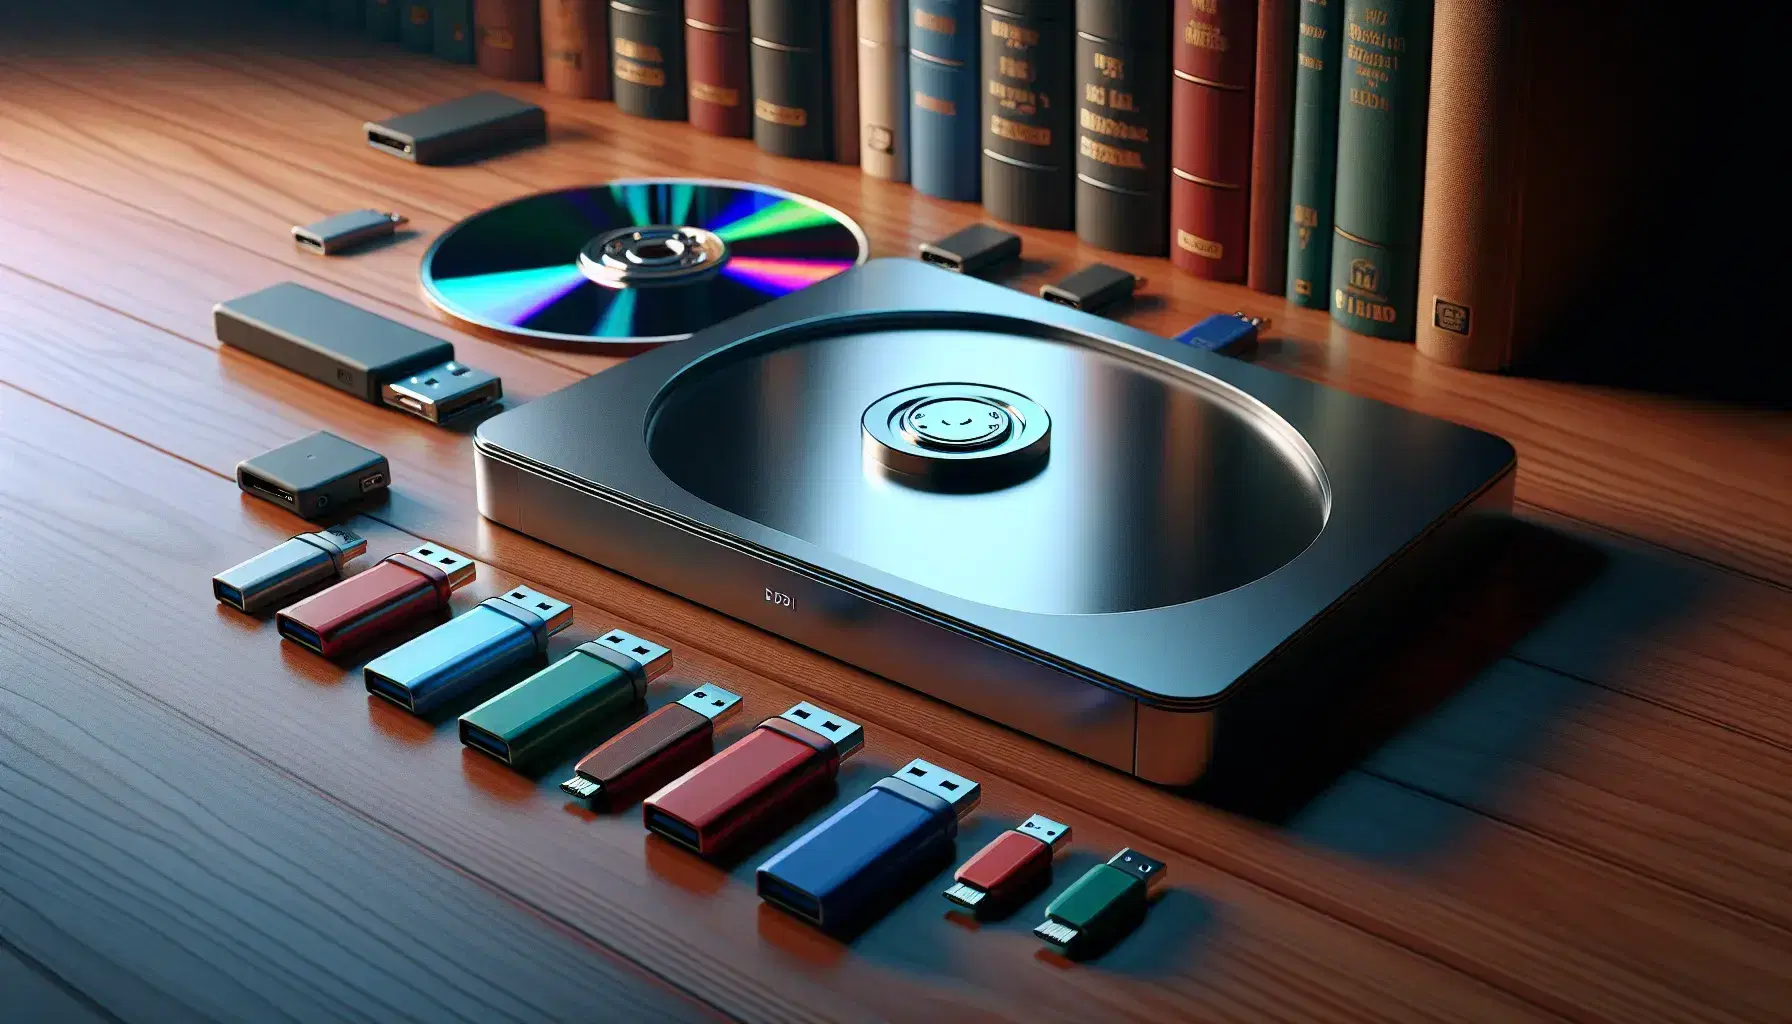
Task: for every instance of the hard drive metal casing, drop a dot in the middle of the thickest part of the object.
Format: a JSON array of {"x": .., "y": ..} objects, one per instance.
[{"x": 1246, "y": 525}]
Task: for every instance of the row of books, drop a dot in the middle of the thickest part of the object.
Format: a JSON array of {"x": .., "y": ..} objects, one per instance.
[{"x": 1276, "y": 143}]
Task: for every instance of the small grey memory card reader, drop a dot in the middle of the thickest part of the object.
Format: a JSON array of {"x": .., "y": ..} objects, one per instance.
[
  {"x": 459, "y": 129},
  {"x": 315, "y": 475}
]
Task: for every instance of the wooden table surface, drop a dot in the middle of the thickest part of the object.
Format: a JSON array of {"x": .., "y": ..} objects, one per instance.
[{"x": 1563, "y": 802}]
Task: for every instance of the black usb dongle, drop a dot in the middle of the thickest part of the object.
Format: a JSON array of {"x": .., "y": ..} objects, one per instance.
[
  {"x": 373, "y": 358},
  {"x": 315, "y": 475}
]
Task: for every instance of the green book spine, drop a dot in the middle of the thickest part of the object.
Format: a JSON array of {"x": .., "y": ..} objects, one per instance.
[
  {"x": 452, "y": 24},
  {"x": 1384, "y": 81},
  {"x": 382, "y": 20},
  {"x": 415, "y": 30},
  {"x": 1315, "y": 158}
]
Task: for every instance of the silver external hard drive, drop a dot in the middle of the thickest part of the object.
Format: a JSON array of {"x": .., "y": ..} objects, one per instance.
[{"x": 1091, "y": 534}]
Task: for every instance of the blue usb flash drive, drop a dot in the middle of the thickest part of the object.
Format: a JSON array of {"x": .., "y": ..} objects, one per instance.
[
  {"x": 466, "y": 652},
  {"x": 867, "y": 852}
]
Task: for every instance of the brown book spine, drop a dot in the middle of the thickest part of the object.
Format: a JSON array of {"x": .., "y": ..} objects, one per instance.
[
  {"x": 716, "y": 66},
  {"x": 509, "y": 45},
  {"x": 575, "y": 48},
  {"x": 1210, "y": 137},
  {"x": 843, "y": 72},
  {"x": 1272, "y": 144},
  {"x": 1468, "y": 252}
]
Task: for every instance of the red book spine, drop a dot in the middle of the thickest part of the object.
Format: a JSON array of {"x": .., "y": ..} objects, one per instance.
[
  {"x": 1272, "y": 145},
  {"x": 716, "y": 62},
  {"x": 1210, "y": 137}
]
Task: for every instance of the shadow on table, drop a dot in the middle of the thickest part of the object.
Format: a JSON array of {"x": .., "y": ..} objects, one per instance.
[{"x": 1440, "y": 711}]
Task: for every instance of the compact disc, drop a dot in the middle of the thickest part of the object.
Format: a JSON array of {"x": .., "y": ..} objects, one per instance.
[{"x": 634, "y": 262}]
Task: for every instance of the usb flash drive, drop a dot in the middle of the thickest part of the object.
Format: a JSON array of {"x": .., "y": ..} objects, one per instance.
[
  {"x": 345, "y": 231},
  {"x": 1093, "y": 288},
  {"x": 786, "y": 766},
  {"x": 468, "y": 650},
  {"x": 351, "y": 349},
  {"x": 1012, "y": 869},
  {"x": 871, "y": 851},
  {"x": 287, "y": 569},
  {"x": 1229, "y": 334},
  {"x": 399, "y": 590},
  {"x": 653, "y": 751},
  {"x": 1101, "y": 907},
  {"x": 598, "y": 680}
]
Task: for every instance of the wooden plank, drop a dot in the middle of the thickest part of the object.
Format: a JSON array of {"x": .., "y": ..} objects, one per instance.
[
  {"x": 1708, "y": 480},
  {"x": 98, "y": 511},
  {"x": 1549, "y": 956},
  {"x": 149, "y": 862}
]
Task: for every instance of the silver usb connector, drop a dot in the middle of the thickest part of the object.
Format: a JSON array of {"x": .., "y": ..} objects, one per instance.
[
  {"x": 963, "y": 794},
  {"x": 443, "y": 392}
]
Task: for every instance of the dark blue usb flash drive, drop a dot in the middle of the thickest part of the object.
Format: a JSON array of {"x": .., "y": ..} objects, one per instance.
[
  {"x": 466, "y": 652},
  {"x": 869, "y": 852}
]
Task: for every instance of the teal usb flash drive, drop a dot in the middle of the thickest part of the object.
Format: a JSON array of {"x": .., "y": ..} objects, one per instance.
[{"x": 599, "y": 680}]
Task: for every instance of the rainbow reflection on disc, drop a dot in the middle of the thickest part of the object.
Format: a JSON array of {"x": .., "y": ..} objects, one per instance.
[{"x": 634, "y": 262}]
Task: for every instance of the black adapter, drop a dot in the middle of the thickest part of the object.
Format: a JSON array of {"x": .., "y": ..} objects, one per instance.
[
  {"x": 373, "y": 358},
  {"x": 315, "y": 475},
  {"x": 973, "y": 250}
]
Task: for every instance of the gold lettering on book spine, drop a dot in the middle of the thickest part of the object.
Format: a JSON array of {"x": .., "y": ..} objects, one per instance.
[
  {"x": 639, "y": 51},
  {"x": 640, "y": 74},
  {"x": 1032, "y": 135},
  {"x": 791, "y": 117}
]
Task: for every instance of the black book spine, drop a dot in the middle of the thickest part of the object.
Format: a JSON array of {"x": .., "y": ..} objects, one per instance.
[
  {"x": 1026, "y": 111},
  {"x": 792, "y": 115},
  {"x": 647, "y": 58},
  {"x": 1123, "y": 156}
]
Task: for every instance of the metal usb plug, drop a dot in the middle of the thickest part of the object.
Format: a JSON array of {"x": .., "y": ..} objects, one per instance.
[
  {"x": 443, "y": 392},
  {"x": 468, "y": 651}
]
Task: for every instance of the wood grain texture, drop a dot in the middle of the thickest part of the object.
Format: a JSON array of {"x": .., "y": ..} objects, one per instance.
[
  {"x": 1704, "y": 479},
  {"x": 150, "y": 863},
  {"x": 1390, "y": 897},
  {"x": 1218, "y": 946}
]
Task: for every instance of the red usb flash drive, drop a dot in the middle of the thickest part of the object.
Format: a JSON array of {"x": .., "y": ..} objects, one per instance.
[
  {"x": 399, "y": 590},
  {"x": 784, "y": 767},
  {"x": 1014, "y": 867}
]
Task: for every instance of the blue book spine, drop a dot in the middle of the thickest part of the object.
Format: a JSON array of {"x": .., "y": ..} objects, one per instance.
[{"x": 945, "y": 120}]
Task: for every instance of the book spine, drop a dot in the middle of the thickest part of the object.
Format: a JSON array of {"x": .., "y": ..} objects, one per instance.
[
  {"x": 792, "y": 115},
  {"x": 1211, "y": 113},
  {"x": 454, "y": 30},
  {"x": 1384, "y": 79},
  {"x": 1122, "y": 161},
  {"x": 348, "y": 13},
  {"x": 715, "y": 42},
  {"x": 843, "y": 79},
  {"x": 1026, "y": 111},
  {"x": 416, "y": 28},
  {"x": 943, "y": 104},
  {"x": 509, "y": 45},
  {"x": 1470, "y": 251},
  {"x": 1272, "y": 139},
  {"x": 883, "y": 88},
  {"x": 647, "y": 58},
  {"x": 1314, "y": 164},
  {"x": 575, "y": 48},
  {"x": 382, "y": 20}
]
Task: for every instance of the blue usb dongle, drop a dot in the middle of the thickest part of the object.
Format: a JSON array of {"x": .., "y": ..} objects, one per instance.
[
  {"x": 469, "y": 651},
  {"x": 867, "y": 853}
]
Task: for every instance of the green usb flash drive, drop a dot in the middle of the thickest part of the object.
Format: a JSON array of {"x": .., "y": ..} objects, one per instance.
[
  {"x": 598, "y": 680},
  {"x": 1100, "y": 908}
]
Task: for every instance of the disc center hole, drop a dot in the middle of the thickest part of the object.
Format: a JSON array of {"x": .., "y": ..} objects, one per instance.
[{"x": 657, "y": 249}]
